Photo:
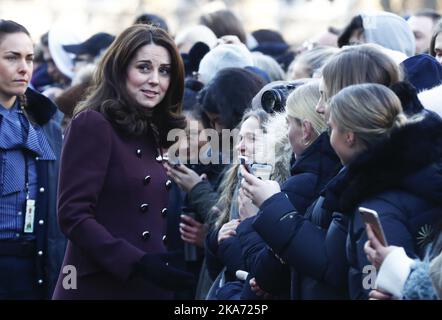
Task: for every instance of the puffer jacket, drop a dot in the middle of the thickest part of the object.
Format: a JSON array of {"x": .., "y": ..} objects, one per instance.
[
  {"x": 402, "y": 180},
  {"x": 287, "y": 222}
]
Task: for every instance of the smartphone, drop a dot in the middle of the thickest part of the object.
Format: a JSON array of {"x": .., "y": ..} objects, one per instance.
[
  {"x": 262, "y": 170},
  {"x": 371, "y": 217},
  {"x": 246, "y": 163}
]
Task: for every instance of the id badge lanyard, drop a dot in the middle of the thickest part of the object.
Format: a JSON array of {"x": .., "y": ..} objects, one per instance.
[{"x": 30, "y": 204}]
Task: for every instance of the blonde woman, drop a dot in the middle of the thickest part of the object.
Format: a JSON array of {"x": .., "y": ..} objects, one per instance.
[
  {"x": 357, "y": 64},
  {"x": 226, "y": 212},
  {"x": 391, "y": 167},
  {"x": 316, "y": 163}
]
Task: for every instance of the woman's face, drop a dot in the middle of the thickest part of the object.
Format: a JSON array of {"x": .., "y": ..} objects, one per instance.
[
  {"x": 298, "y": 71},
  {"x": 196, "y": 140},
  {"x": 249, "y": 134},
  {"x": 320, "y": 107},
  {"x": 296, "y": 136},
  {"x": 16, "y": 66},
  {"x": 438, "y": 47},
  {"x": 148, "y": 75},
  {"x": 339, "y": 140}
]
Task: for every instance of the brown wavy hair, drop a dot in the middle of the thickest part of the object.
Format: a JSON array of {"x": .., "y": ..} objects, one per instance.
[{"x": 110, "y": 97}]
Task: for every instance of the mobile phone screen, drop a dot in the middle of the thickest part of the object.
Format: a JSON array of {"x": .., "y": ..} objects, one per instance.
[
  {"x": 371, "y": 217},
  {"x": 262, "y": 171}
]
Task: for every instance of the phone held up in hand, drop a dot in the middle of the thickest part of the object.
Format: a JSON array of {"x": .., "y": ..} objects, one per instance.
[
  {"x": 371, "y": 218},
  {"x": 260, "y": 170},
  {"x": 246, "y": 163}
]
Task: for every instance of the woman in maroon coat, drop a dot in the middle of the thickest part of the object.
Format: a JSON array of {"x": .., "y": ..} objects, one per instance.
[{"x": 113, "y": 189}]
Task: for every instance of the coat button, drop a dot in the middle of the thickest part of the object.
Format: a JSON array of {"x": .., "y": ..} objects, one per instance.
[
  {"x": 138, "y": 152},
  {"x": 41, "y": 190},
  {"x": 40, "y": 281},
  {"x": 147, "y": 179},
  {"x": 168, "y": 184},
  {"x": 40, "y": 253},
  {"x": 164, "y": 212},
  {"x": 145, "y": 235},
  {"x": 165, "y": 239},
  {"x": 41, "y": 222},
  {"x": 144, "y": 207}
]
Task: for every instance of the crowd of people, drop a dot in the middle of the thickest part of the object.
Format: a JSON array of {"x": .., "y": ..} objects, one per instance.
[{"x": 222, "y": 164}]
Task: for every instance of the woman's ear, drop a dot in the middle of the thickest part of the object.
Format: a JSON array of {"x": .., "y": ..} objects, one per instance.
[
  {"x": 308, "y": 133},
  {"x": 350, "y": 139}
]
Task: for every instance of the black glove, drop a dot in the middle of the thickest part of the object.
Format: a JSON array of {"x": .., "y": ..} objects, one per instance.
[{"x": 157, "y": 268}]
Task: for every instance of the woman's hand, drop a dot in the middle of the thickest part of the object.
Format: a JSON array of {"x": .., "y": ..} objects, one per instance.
[
  {"x": 257, "y": 190},
  {"x": 245, "y": 206},
  {"x": 192, "y": 231},
  {"x": 228, "y": 230},
  {"x": 184, "y": 177},
  {"x": 257, "y": 290},
  {"x": 375, "y": 251}
]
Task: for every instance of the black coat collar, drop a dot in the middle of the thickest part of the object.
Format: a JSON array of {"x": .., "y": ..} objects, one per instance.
[
  {"x": 318, "y": 158},
  {"x": 39, "y": 108}
]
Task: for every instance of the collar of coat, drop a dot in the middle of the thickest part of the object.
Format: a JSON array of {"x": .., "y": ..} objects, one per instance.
[
  {"x": 39, "y": 108},
  {"x": 410, "y": 160}
]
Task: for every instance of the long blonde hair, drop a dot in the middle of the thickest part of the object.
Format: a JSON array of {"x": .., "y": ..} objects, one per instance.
[
  {"x": 229, "y": 183},
  {"x": 301, "y": 105},
  {"x": 371, "y": 111}
]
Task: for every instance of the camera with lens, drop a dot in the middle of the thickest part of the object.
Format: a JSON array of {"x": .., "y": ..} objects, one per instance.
[{"x": 274, "y": 100}]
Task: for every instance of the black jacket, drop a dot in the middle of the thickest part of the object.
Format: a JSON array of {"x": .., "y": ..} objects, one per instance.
[
  {"x": 303, "y": 234},
  {"x": 402, "y": 180}
]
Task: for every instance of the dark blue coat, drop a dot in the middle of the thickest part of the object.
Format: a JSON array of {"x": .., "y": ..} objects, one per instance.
[
  {"x": 225, "y": 254},
  {"x": 305, "y": 243},
  {"x": 50, "y": 241},
  {"x": 272, "y": 276},
  {"x": 402, "y": 180}
]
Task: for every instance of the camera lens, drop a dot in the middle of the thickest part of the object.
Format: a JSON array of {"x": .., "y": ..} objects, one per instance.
[{"x": 269, "y": 100}]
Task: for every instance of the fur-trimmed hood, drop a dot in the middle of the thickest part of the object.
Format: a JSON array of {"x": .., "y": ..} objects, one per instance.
[{"x": 411, "y": 160}]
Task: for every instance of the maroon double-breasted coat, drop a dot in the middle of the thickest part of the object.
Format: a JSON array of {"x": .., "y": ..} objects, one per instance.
[{"x": 111, "y": 205}]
